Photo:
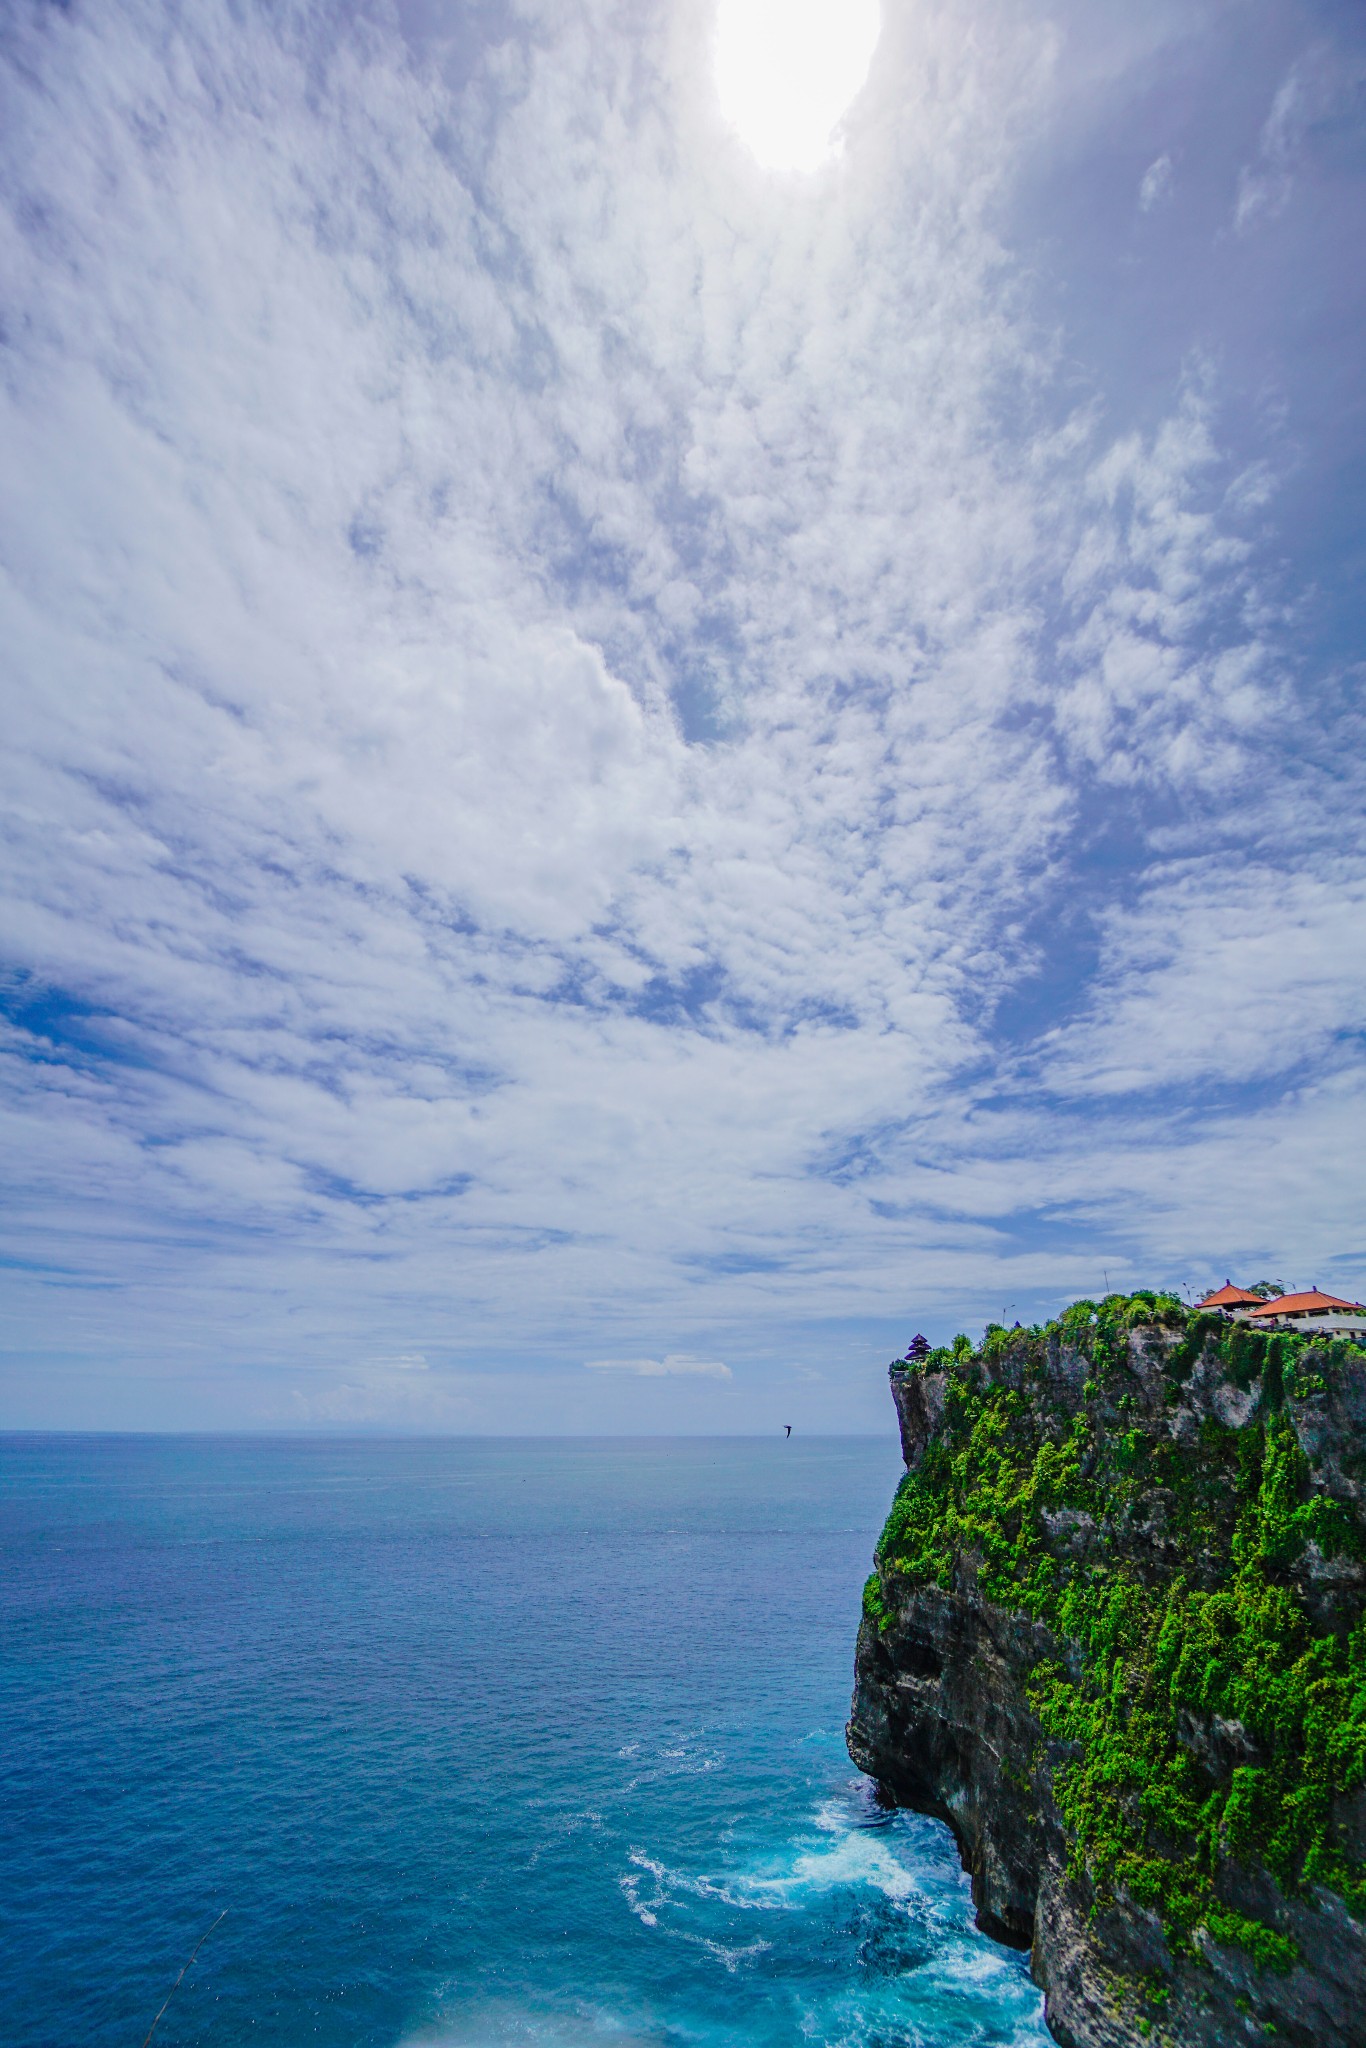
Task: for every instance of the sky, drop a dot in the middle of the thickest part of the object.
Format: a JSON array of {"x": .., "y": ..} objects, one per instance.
[{"x": 643, "y": 754}]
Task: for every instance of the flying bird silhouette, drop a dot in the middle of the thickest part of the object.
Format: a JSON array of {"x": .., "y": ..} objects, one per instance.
[{"x": 788, "y": 1427}]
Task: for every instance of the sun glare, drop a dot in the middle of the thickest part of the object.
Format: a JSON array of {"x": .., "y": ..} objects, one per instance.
[{"x": 787, "y": 69}]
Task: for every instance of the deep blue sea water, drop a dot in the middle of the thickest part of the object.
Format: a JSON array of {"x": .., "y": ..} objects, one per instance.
[{"x": 473, "y": 1742}]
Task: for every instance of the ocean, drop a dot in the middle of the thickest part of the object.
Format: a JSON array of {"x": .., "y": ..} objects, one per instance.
[{"x": 469, "y": 1742}]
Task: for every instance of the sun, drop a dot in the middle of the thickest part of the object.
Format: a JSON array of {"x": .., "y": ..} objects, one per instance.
[{"x": 787, "y": 69}]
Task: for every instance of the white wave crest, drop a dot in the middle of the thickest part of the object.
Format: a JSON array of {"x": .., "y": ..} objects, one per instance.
[
  {"x": 855, "y": 1858},
  {"x": 493, "y": 2024}
]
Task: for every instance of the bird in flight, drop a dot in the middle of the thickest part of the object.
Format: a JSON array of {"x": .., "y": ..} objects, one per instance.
[{"x": 788, "y": 1427}]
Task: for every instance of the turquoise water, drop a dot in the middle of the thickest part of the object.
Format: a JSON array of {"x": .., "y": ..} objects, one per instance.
[{"x": 472, "y": 1742}]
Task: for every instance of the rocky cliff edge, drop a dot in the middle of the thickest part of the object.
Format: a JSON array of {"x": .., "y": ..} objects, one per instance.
[{"x": 1115, "y": 1641}]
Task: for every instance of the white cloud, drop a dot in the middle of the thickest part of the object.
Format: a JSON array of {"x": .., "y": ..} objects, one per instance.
[
  {"x": 550, "y": 682},
  {"x": 675, "y": 1365},
  {"x": 1317, "y": 89},
  {"x": 1222, "y": 975},
  {"x": 1156, "y": 184}
]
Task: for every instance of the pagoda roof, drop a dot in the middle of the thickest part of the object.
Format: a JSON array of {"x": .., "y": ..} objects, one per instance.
[
  {"x": 1310, "y": 1302},
  {"x": 1229, "y": 1296}
]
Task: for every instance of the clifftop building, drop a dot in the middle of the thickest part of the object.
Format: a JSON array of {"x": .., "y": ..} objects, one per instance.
[{"x": 1311, "y": 1312}]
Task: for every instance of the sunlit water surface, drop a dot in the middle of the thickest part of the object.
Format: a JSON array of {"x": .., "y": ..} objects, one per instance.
[{"x": 476, "y": 1742}]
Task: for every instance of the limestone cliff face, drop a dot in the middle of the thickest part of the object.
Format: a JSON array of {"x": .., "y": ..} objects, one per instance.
[{"x": 1151, "y": 1932}]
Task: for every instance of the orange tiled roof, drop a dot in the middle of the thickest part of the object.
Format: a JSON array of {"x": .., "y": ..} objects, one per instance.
[
  {"x": 1302, "y": 1304},
  {"x": 1229, "y": 1296}
]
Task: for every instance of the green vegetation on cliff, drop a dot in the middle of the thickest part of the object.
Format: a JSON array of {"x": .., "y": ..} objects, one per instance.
[{"x": 1203, "y": 1710}]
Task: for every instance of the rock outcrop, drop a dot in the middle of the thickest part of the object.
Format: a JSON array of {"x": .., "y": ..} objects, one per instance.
[{"x": 1115, "y": 1641}]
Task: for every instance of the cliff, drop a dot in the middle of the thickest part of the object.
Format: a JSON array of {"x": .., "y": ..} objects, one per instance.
[{"x": 1115, "y": 1640}]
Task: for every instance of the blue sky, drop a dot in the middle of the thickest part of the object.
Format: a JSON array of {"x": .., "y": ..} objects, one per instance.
[{"x": 628, "y": 776}]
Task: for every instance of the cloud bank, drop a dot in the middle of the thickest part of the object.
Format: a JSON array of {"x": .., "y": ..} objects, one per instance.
[
  {"x": 671, "y": 1367},
  {"x": 609, "y": 752}
]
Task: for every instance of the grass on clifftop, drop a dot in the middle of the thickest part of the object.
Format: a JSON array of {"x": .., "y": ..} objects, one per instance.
[{"x": 1159, "y": 1795}]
